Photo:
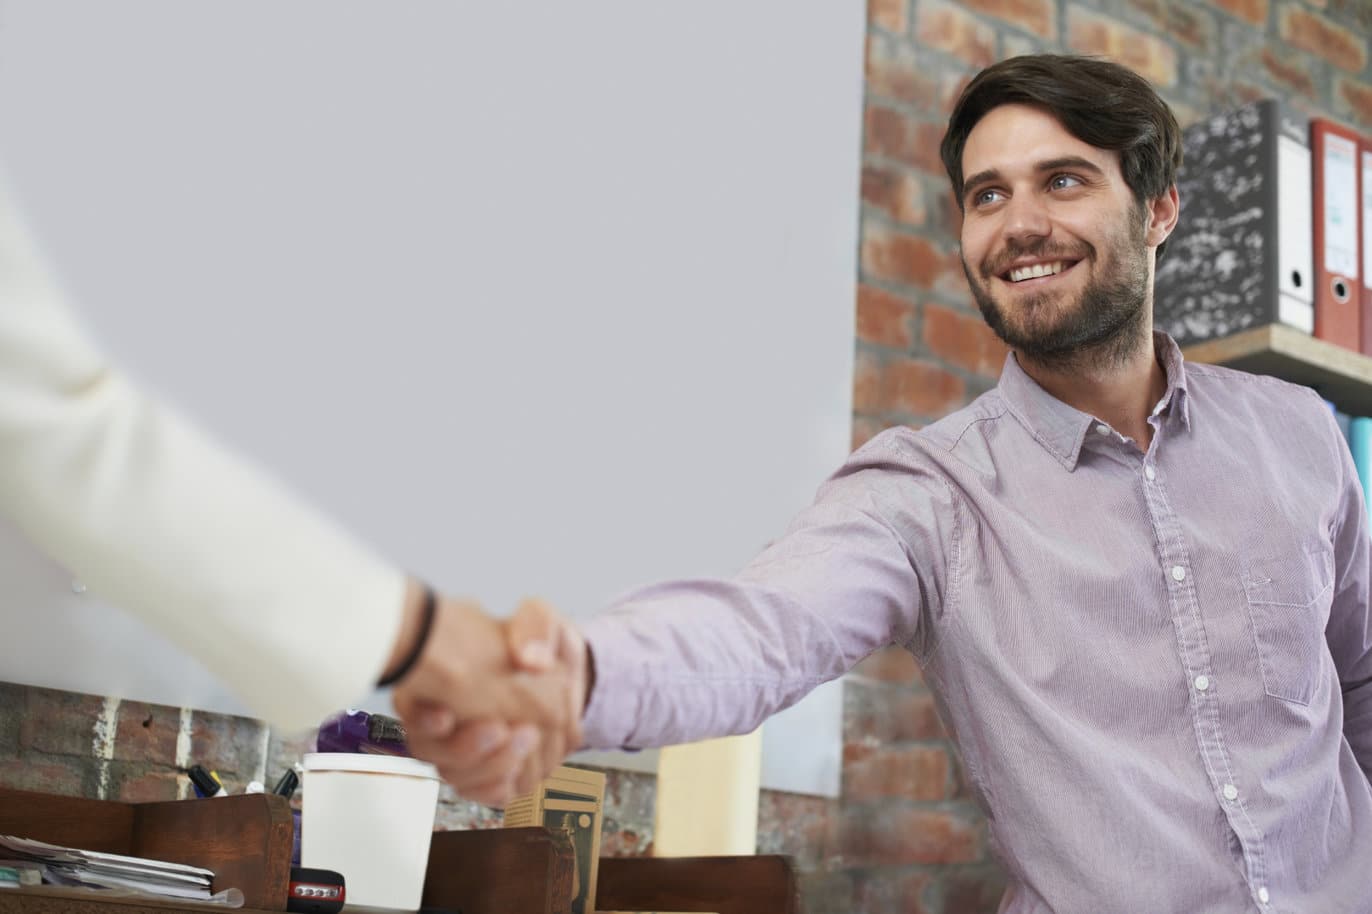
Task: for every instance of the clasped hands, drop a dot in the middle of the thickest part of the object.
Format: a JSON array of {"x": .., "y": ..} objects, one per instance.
[{"x": 495, "y": 704}]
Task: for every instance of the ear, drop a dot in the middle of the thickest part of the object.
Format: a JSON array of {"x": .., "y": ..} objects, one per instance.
[{"x": 1162, "y": 216}]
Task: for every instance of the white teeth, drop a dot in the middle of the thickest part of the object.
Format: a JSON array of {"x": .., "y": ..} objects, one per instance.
[{"x": 1036, "y": 270}]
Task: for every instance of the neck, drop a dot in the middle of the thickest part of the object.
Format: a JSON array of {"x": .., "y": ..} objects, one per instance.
[{"x": 1119, "y": 381}]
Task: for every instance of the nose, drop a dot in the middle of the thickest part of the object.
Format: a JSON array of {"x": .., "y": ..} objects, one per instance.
[{"x": 1026, "y": 219}]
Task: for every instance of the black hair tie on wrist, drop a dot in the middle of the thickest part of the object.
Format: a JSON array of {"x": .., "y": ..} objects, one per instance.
[{"x": 426, "y": 622}]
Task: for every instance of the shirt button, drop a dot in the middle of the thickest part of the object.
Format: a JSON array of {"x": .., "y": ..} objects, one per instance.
[
  {"x": 1202, "y": 683},
  {"x": 1102, "y": 429},
  {"x": 1230, "y": 792},
  {"x": 1178, "y": 573},
  {"x": 1263, "y": 895},
  {"x": 1150, "y": 473}
]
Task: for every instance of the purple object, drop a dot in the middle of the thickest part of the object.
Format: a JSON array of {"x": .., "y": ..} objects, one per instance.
[{"x": 359, "y": 731}]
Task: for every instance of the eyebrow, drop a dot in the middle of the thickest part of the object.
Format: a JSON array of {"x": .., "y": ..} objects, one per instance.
[{"x": 991, "y": 175}]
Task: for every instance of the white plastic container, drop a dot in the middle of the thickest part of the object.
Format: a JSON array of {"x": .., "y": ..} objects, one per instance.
[{"x": 369, "y": 817}]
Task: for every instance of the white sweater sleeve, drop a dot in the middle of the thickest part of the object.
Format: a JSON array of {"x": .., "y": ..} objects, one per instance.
[{"x": 161, "y": 521}]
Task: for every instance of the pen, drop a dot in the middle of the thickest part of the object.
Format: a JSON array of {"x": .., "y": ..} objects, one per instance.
[
  {"x": 286, "y": 786},
  {"x": 205, "y": 783}
]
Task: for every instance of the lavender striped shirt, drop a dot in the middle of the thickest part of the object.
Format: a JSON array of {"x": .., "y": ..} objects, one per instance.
[{"x": 1158, "y": 667}]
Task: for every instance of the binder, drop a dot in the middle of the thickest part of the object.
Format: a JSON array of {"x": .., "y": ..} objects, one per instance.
[
  {"x": 1365, "y": 242},
  {"x": 1360, "y": 443},
  {"x": 1241, "y": 254},
  {"x": 1337, "y": 214}
]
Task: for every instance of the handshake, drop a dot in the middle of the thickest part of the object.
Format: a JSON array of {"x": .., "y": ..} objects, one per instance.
[{"x": 495, "y": 705}]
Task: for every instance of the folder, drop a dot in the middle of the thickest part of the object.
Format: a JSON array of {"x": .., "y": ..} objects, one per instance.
[
  {"x": 1365, "y": 242},
  {"x": 1360, "y": 444},
  {"x": 1240, "y": 256},
  {"x": 1337, "y": 214}
]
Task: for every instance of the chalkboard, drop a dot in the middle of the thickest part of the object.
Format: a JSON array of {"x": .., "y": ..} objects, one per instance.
[{"x": 537, "y": 298}]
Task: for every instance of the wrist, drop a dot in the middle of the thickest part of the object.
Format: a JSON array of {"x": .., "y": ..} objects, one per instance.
[{"x": 416, "y": 620}]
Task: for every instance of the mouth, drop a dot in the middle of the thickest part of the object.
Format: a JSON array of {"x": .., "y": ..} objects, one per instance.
[{"x": 1037, "y": 274}]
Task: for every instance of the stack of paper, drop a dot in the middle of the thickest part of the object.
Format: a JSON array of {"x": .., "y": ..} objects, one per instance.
[{"x": 69, "y": 866}]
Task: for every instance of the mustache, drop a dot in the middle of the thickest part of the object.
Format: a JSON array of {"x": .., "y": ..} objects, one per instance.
[{"x": 1039, "y": 250}]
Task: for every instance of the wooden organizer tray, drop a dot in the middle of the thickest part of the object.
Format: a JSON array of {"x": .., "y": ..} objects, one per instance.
[{"x": 246, "y": 840}]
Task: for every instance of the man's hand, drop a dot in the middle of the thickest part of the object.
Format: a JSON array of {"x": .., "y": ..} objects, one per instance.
[{"x": 495, "y": 705}]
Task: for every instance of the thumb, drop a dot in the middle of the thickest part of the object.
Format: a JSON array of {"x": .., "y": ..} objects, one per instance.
[{"x": 533, "y": 633}]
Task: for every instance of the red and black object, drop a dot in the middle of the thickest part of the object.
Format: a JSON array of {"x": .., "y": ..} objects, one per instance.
[{"x": 315, "y": 891}]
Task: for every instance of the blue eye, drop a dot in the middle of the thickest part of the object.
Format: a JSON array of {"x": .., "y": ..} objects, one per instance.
[
  {"x": 984, "y": 197},
  {"x": 1059, "y": 182}
]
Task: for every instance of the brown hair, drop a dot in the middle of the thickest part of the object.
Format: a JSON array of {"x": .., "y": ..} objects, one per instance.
[{"x": 1098, "y": 102}]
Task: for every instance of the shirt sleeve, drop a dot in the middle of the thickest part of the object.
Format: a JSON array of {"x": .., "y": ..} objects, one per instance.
[
  {"x": 1349, "y": 632},
  {"x": 285, "y": 608},
  {"x": 864, "y": 566}
]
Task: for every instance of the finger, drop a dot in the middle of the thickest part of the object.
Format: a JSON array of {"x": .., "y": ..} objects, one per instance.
[
  {"x": 534, "y": 632},
  {"x": 433, "y": 721},
  {"x": 496, "y": 775},
  {"x": 473, "y": 753}
]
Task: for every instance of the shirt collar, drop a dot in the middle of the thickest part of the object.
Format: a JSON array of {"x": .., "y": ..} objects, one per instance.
[{"x": 1060, "y": 428}]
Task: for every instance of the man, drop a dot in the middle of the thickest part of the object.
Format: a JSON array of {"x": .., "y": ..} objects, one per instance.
[{"x": 1138, "y": 587}]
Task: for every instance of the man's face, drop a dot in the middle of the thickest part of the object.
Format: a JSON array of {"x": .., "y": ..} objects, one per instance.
[{"x": 1054, "y": 244}]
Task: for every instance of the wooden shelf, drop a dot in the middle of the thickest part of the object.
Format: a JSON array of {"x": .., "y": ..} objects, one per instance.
[{"x": 1338, "y": 374}]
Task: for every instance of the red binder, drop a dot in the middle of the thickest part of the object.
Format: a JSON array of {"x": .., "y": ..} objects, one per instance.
[{"x": 1338, "y": 211}]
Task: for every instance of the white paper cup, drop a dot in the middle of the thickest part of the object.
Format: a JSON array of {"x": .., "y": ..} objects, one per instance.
[{"x": 369, "y": 817}]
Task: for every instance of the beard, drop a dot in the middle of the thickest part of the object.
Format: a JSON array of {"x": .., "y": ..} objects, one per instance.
[{"x": 1101, "y": 329}]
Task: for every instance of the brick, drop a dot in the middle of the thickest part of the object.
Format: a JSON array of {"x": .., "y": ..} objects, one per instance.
[
  {"x": 890, "y": 664},
  {"x": 1020, "y": 45},
  {"x": 895, "y": 191},
  {"x": 879, "y": 773},
  {"x": 616, "y": 841},
  {"x": 1151, "y": 57},
  {"x": 60, "y": 723},
  {"x": 13, "y": 700},
  {"x": 971, "y": 889},
  {"x": 137, "y": 782},
  {"x": 146, "y": 733},
  {"x": 890, "y": 15},
  {"x": 1179, "y": 19},
  {"x": 878, "y": 714},
  {"x": 232, "y": 746},
  {"x": 893, "y": 890},
  {"x": 964, "y": 340},
  {"x": 949, "y": 27},
  {"x": 895, "y": 834},
  {"x": 630, "y": 797},
  {"x": 1358, "y": 95},
  {"x": 895, "y": 135},
  {"x": 457, "y": 814},
  {"x": 884, "y": 318},
  {"x": 1288, "y": 74},
  {"x": 894, "y": 72},
  {"x": 1323, "y": 37},
  {"x": 920, "y": 388},
  {"x": 827, "y": 892},
  {"x": 1037, "y": 16},
  {"x": 908, "y": 259},
  {"x": 63, "y": 775},
  {"x": 866, "y": 381},
  {"x": 1357, "y": 13},
  {"x": 1251, "y": 11},
  {"x": 801, "y": 826}
]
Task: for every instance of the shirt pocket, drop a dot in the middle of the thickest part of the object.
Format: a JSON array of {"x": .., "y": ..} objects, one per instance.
[{"x": 1288, "y": 600}]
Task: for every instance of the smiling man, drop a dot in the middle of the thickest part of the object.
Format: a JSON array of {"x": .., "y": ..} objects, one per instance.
[{"x": 1137, "y": 586}]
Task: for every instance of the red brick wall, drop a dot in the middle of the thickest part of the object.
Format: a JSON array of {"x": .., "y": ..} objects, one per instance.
[
  {"x": 904, "y": 837},
  {"x": 907, "y": 838}
]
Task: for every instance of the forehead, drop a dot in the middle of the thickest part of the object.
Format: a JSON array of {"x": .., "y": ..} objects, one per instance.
[{"x": 1013, "y": 138}]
